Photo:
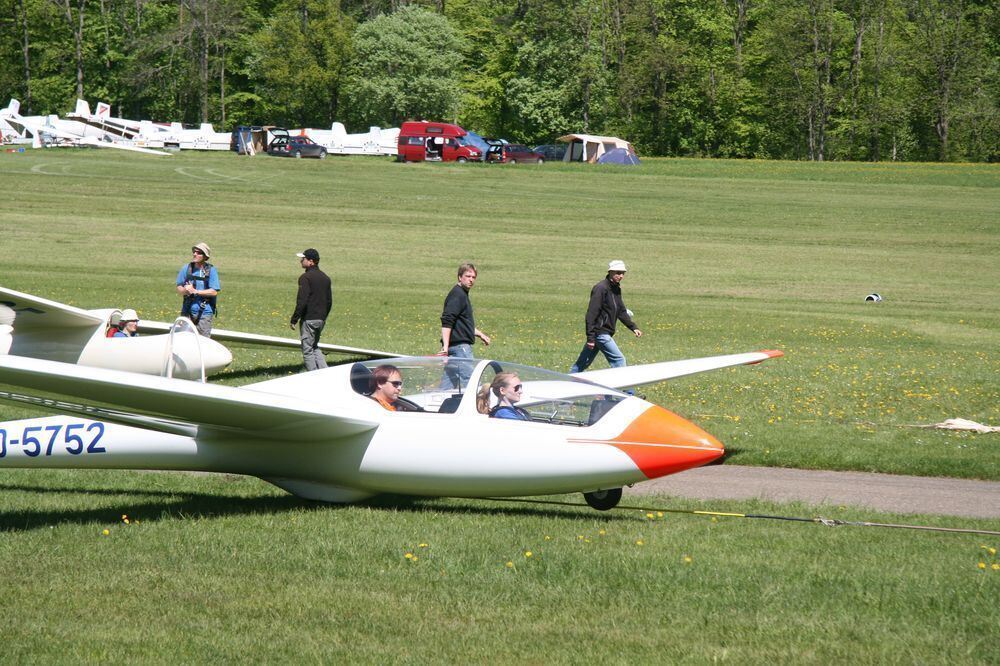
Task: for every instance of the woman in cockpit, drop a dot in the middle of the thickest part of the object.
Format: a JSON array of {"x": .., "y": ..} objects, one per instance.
[{"x": 506, "y": 387}]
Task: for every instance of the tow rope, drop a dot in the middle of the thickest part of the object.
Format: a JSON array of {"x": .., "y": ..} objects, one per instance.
[{"x": 829, "y": 522}]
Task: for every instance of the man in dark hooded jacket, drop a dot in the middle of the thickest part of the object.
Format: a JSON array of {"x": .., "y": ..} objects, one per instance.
[{"x": 606, "y": 309}]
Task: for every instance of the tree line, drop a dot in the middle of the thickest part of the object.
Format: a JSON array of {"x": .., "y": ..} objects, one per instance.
[{"x": 793, "y": 79}]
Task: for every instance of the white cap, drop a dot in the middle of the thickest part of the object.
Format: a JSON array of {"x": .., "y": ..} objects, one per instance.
[
  {"x": 617, "y": 265},
  {"x": 129, "y": 315}
]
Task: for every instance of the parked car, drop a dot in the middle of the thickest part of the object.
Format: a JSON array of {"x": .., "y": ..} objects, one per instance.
[
  {"x": 296, "y": 146},
  {"x": 554, "y": 152},
  {"x": 422, "y": 141},
  {"x": 512, "y": 153}
]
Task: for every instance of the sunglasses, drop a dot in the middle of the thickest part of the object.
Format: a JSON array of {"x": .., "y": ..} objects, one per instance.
[
  {"x": 397, "y": 383},
  {"x": 517, "y": 387},
  {"x": 193, "y": 251}
]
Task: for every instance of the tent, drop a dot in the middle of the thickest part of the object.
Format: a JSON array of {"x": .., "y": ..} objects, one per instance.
[
  {"x": 588, "y": 147},
  {"x": 619, "y": 156}
]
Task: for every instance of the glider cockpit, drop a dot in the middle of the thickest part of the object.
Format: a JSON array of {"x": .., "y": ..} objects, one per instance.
[{"x": 449, "y": 385}]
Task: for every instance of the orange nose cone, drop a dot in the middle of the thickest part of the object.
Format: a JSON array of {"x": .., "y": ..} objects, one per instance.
[{"x": 660, "y": 442}]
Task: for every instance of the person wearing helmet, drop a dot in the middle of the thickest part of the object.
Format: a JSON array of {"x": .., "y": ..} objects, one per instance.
[
  {"x": 606, "y": 309},
  {"x": 127, "y": 325},
  {"x": 198, "y": 283}
]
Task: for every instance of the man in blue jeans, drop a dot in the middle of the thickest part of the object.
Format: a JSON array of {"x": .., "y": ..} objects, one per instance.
[
  {"x": 458, "y": 327},
  {"x": 606, "y": 309}
]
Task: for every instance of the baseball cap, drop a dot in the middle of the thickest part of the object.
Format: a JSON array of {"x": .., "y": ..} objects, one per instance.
[{"x": 310, "y": 254}]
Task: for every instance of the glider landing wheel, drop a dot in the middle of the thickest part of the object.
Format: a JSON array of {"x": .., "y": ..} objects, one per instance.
[{"x": 602, "y": 500}]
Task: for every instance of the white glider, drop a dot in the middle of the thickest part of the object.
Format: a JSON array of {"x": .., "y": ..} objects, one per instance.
[
  {"x": 319, "y": 436},
  {"x": 36, "y": 327},
  {"x": 68, "y": 132}
]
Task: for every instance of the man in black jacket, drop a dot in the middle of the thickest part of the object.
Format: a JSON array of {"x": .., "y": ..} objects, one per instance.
[
  {"x": 458, "y": 326},
  {"x": 606, "y": 309},
  {"x": 312, "y": 305}
]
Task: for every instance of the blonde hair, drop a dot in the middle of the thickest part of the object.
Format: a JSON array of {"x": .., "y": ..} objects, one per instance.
[{"x": 500, "y": 381}]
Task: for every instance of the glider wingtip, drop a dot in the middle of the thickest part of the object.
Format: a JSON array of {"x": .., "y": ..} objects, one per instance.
[{"x": 768, "y": 353}]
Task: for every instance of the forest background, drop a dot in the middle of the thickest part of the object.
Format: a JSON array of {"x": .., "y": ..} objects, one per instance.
[{"x": 791, "y": 79}]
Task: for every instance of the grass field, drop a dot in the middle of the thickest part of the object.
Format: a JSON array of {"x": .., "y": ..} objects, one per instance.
[{"x": 725, "y": 256}]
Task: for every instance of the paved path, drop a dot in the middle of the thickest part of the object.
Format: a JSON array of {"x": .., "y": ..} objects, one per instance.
[{"x": 883, "y": 492}]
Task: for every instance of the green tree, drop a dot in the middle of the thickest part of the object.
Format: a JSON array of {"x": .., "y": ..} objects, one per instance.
[
  {"x": 407, "y": 65},
  {"x": 297, "y": 62}
]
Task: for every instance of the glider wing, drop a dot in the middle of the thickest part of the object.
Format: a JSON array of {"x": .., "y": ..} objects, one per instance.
[
  {"x": 255, "y": 413},
  {"x": 221, "y": 335},
  {"x": 651, "y": 373},
  {"x": 32, "y": 311}
]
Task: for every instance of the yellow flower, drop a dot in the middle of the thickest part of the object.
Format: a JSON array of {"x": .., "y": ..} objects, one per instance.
[
  {"x": 527, "y": 553},
  {"x": 602, "y": 532},
  {"x": 991, "y": 551},
  {"x": 125, "y": 517},
  {"x": 649, "y": 515},
  {"x": 639, "y": 542},
  {"x": 687, "y": 559},
  {"x": 548, "y": 538},
  {"x": 423, "y": 545},
  {"x": 510, "y": 565},
  {"x": 413, "y": 559},
  {"x": 106, "y": 532},
  {"x": 982, "y": 565},
  {"x": 995, "y": 567},
  {"x": 659, "y": 514},
  {"x": 126, "y": 521},
  {"x": 408, "y": 556}
]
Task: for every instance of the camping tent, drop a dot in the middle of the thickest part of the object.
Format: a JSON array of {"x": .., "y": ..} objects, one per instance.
[
  {"x": 618, "y": 156},
  {"x": 587, "y": 147}
]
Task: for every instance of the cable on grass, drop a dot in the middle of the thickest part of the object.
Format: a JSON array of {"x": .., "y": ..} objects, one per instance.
[{"x": 829, "y": 522}]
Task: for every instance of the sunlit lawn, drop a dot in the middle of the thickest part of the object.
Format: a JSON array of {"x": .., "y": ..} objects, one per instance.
[
  {"x": 217, "y": 568},
  {"x": 724, "y": 257}
]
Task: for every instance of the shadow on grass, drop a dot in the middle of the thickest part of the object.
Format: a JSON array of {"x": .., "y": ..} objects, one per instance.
[
  {"x": 172, "y": 505},
  {"x": 261, "y": 372},
  {"x": 265, "y": 372}
]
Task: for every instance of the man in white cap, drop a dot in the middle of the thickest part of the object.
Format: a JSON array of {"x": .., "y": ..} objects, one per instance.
[
  {"x": 312, "y": 306},
  {"x": 198, "y": 282},
  {"x": 127, "y": 325},
  {"x": 606, "y": 309}
]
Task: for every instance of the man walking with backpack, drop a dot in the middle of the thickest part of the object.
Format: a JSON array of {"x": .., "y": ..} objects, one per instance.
[{"x": 198, "y": 282}]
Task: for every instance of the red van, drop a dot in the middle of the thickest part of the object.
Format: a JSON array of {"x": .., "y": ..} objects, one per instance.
[{"x": 423, "y": 141}]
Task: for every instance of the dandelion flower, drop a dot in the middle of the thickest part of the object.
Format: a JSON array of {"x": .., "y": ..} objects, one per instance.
[
  {"x": 527, "y": 553},
  {"x": 639, "y": 542},
  {"x": 124, "y": 516},
  {"x": 982, "y": 565},
  {"x": 408, "y": 556},
  {"x": 650, "y": 516},
  {"x": 991, "y": 551},
  {"x": 106, "y": 532},
  {"x": 548, "y": 538},
  {"x": 423, "y": 545},
  {"x": 659, "y": 514},
  {"x": 510, "y": 565},
  {"x": 602, "y": 532},
  {"x": 688, "y": 559},
  {"x": 995, "y": 567}
]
